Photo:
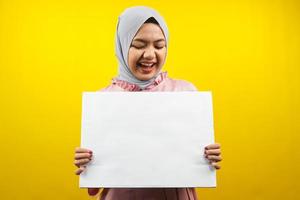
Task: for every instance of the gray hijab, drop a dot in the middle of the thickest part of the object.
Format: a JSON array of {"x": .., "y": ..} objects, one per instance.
[{"x": 129, "y": 23}]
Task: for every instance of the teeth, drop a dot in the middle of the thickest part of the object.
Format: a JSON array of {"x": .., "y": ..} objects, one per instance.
[{"x": 147, "y": 64}]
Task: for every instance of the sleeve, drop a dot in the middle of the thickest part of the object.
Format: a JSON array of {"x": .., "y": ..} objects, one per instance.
[
  {"x": 93, "y": 191},
  {"x": 187, "y": 86}
]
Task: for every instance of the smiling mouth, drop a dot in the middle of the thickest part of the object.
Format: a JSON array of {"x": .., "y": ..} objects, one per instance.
[{"x": 146, "y": 67}]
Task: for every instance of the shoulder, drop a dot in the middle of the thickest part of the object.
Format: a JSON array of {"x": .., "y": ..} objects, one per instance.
[
  {"x": 111, "y": 88},
  {"x": 181, "y": 85}
]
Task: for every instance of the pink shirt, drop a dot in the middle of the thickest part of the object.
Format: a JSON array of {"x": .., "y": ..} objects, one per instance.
[{"x": 161, "y": 83}]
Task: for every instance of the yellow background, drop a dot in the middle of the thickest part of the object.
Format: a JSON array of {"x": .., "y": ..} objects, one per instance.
[{"x": 245, "y": 52}]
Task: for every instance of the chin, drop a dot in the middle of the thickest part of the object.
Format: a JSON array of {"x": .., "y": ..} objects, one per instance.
[{"x": 145, "y": 77}]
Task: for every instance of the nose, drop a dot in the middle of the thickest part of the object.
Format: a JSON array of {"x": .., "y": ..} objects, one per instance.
[{"x": 149, "y": 53}]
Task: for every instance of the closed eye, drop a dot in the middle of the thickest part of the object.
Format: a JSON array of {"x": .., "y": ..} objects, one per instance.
[
  {"x": 159, "y": 47},
  {"x": 137, "y": 47}
]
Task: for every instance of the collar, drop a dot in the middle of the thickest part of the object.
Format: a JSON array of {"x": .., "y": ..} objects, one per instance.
[{"x": 133, "y": 87}]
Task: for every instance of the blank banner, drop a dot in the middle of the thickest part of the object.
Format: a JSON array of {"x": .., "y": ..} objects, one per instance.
[{"x": 147, "y": 139}]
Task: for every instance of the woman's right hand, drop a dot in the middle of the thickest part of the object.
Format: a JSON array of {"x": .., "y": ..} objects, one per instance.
[{"x": 82, "y": 158}]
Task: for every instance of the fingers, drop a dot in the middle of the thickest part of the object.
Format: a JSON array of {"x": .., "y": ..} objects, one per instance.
[
  {"x": 82, "y": 156},
  {"x": 214, "y": 158},
  {"x": 213, "y": 146},
  {"x": 216, "y": 165},
  {"x": 80, "y": 162},
  {"x": 216, "y": 152},
  {"x": 213, "y": 149},
  {"x": 212, "y": 152},
  {"x": 80, "y": 170},
  {"x": 82, "y": 150}
]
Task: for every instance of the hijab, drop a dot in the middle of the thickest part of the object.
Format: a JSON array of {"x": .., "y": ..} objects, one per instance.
[{"x": 129, "y": 22}]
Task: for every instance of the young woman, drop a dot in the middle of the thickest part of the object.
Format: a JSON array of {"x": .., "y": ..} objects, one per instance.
[{"x": 141, "y": 49}]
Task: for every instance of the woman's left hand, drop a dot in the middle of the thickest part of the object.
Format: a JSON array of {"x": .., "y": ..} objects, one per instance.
[{"x": 213, "y": 153}]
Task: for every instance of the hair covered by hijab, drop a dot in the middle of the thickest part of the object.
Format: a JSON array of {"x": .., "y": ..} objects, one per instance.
[{"x": 129, "y": 22}]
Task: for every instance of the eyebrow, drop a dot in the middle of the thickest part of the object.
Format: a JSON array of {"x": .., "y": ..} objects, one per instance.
[{"x": 145, "y": 41}]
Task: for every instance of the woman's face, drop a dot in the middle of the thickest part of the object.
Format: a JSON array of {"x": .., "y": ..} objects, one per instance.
[{"x": 147, "y": 52}]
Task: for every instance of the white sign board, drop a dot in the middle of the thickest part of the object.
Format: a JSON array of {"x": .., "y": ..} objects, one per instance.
[{"x": 147, "y": 139}]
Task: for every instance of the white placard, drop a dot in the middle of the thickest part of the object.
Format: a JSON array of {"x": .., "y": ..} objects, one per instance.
[{"x": 147, "y": 139}]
